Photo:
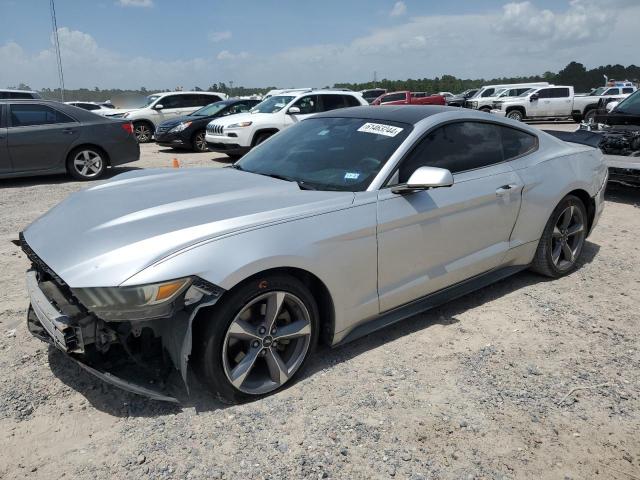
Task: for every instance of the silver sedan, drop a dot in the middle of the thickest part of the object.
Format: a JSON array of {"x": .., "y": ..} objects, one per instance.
[{"x": 345, "y": 223}]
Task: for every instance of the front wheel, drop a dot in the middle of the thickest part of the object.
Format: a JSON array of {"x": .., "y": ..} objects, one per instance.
[
  {"x": 143, "y": 131},
  {"x": 515, "y": 115},
  {"x": 259, "y": 338},
  {"x": 590, "y": 116},
  {"x": 562, "y": 240}
]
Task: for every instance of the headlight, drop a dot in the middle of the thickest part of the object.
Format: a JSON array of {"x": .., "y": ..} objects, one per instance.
[
  {"x": 180, "y": 127},
  {"x": 474, "y": 104},
  {"x": 143, "y": 302},
  {"x": 239, "y": 125}
]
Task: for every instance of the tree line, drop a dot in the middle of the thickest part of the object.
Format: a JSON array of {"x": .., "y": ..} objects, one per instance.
[{"x": 575, "y": 74}]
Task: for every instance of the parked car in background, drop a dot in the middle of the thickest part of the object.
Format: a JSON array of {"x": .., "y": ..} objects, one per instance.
[
  {"x": 96, "y": 108},
  {"x": 373, "y": 93},
  {"x": 485, "y": 104},
  {"x": 484, "y": 97},
  {"x": 409, "y": 98},
  {"x": 552, "y": 102},
  {"x": 189, "y": 131},
  {"x": 236, "y": 135},
  {"x": 585, "y": 107},
  {"x": 163, "y": 106},
  {"x": 447, "y": 96},
  {"x": 343, "y": 224},
  {"x": 39, "y": 137},
  {"x": 280, "y": 91},
  {"x": 459, "y": 99},
  {"x": 18, "y": 94}
]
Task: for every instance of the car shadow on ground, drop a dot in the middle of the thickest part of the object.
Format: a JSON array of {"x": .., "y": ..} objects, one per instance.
[
  {"x": 622, "y": 194},
  {"x": 22, "y": 182},
  {"x": 117, "y": 402}
]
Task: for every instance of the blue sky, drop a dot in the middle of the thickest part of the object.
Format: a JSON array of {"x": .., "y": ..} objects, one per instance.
[{"x": 161, "y": 43}]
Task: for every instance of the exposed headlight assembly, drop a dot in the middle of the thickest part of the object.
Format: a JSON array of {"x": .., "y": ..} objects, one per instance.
[
  {"x": 143, "y": 302},
  {"x": 180, "y": 127},
  {"x": 239, "y": 125}
]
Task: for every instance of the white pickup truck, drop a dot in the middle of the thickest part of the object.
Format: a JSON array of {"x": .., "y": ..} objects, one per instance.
[
  {"x": 586, "y": 106},
  {"x": 552, "y": 102}
]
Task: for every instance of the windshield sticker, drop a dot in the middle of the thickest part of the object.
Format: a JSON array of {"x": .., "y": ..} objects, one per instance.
[
  {"x": 351, "y": 176},
  {"x": 323, "y": 132},
  {"x": 380, "y": 129}
]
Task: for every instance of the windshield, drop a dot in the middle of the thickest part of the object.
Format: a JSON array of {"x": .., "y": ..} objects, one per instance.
[
  {"x": 149, "y": 100},
  {"x": 630, "y": 105},
  {"x": 499, "y": 92},
  {"x": 342, "y": 154},
  {"x": 209, "y": 110},
  {"x": 272, "y": 104},
  {"x": 524, "y": 94},
  {"x": 599, "y": 91}
]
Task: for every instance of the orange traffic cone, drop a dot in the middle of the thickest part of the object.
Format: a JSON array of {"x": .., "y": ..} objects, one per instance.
[{"x": 176, "y": 163}]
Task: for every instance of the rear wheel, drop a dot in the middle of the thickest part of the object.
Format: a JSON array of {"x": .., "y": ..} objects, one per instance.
[
  {"x": 590, "y": 116},
  {"x": 143, "y": 131},
  {"x": 259, "y": 338},
  {"x": 199, "y": 143},
  {"x": 86, "y": 163},
  {"x": 515, "y": 115},
  {"x": 563, "y": 239}
]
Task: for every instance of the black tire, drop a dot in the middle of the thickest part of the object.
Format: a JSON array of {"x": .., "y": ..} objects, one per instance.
[
  {"x": 576, "y": 118},
  {"x": 515, "y": 115},
  {"x": 143, "y": 131},
  {"x": 486, "y": 109},
  {"x": 543, "y": 262},
  {"x": 198, "y": 142},
  {"x": 590, "y": 115},
  {"x": 87, "y": 163},
  {"x": 261, "y": 137},
  {"x": 211, "y": 344},
  {"x": 234, "y": 156}
]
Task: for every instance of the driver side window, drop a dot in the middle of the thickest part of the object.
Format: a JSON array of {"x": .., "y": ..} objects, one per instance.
[
  {"x": 307, "y": 105},
  {"x": 458, "y": 147}
]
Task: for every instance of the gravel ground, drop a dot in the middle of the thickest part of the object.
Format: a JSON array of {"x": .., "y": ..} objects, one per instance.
[{"x": 528, "y": 378}]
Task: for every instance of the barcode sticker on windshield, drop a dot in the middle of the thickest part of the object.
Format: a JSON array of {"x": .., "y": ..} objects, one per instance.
[{"x": 380, "y": 129}]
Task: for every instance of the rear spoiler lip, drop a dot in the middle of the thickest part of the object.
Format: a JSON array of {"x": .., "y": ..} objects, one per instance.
[{"x": 581, "y": 137}]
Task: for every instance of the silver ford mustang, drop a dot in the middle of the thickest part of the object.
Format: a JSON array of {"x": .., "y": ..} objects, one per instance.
[{"x": 343, "y": 224}]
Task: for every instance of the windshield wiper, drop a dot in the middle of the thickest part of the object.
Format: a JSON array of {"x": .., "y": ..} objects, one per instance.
[{"x": 301, "y": 184}]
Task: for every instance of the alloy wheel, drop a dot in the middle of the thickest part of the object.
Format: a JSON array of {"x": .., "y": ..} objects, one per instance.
[
  {"x": 266, "y": 342},
  {"x": 201, "y": 142},
  {"x": 567, "y": 238},
  {"x": 142, "y": 132},
  {"x": 88, "y": 163}
]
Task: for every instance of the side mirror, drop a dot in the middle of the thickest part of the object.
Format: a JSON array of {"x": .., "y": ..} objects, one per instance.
[
  {"x": 534, "y": 97},
  {"x": 293, "y": 110},
  {"x": 158, "y": 106},
  {"x": 425, "y": 178}
]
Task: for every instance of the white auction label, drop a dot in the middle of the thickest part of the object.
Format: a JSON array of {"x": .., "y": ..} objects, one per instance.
[{"x": 380, "y": 129}]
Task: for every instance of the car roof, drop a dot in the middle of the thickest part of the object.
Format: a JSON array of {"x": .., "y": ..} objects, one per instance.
[
  {"x": 14, "y": 90},
  {"x": 30, "y": 100},
  {"x": 411, "y": 114},
  {"x": 185, "y": 93}
]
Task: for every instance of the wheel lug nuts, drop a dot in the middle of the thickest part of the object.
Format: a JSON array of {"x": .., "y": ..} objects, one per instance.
[
  {"x": 256, "y": 344},
  {"x": 273, "y": 330},
  {"x": 262, "y": 330},
  {"x": 263, "y": 352}
]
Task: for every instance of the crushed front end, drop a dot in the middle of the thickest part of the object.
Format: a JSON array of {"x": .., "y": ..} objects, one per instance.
[{"x": 144, "y": 350}]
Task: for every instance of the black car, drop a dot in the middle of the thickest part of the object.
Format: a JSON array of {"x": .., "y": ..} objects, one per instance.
[
  {"x": 39, "y": 137},
  {"x": 458, "y": 100},
  {"x": 189, "y": 131}
]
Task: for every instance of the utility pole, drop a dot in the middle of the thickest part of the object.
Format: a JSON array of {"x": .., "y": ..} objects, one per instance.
[
  {"x": 56, "y": 42},
  {"x": 375, "y": 79},
  {"x": 231, "y": 88}
]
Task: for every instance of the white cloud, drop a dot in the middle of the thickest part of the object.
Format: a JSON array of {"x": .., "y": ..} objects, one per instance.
[
  {"x": 219, "y": 36},
  {"x": 519, "y": 39},
  {"x": 135, "y": 3},
  {"x": 399, "y": 9},
  {"x": 227, "y": 55}
]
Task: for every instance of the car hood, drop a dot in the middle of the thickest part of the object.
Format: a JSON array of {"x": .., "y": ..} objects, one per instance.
[
  {"x": 244, "y": 117},
  {"x": 105, "y": 234},
  {"x": 187, "y": 118}
]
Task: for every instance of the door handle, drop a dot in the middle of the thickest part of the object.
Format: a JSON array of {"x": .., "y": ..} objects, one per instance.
[
  {"x": 506, "y": 189},
  {"x": 68, "y": 131}
]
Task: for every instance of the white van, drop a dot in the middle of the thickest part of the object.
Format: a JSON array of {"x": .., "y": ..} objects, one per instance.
[{"x": 484, "y": 98}]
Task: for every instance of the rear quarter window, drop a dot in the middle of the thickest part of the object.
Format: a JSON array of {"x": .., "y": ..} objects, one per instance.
[{"x": 516, "y": 143}]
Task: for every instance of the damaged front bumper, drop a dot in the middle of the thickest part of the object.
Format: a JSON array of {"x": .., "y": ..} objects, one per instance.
[{"x": 149, "y": 357}]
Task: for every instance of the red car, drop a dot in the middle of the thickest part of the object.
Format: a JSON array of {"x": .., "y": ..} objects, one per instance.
[{"x": 409, "y": 98}]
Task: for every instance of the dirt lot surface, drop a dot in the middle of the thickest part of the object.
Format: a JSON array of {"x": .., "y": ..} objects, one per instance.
[{"x": 528, "y": 378}]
